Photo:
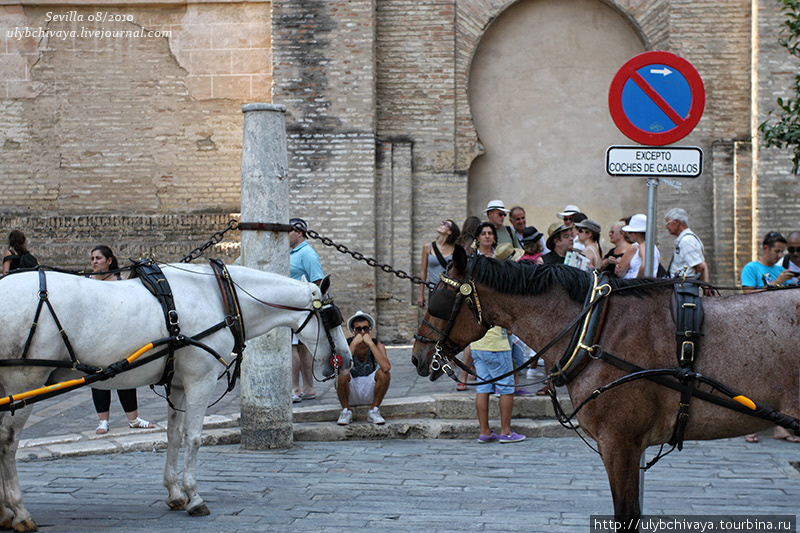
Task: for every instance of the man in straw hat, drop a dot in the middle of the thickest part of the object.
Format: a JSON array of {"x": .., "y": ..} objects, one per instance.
[
  {"x": 496, "y": 212},
  {"x": 559, "y": 241}
]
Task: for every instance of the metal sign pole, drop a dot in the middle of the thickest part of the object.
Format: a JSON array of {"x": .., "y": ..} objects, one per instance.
[{"x": 650, "y": 236}]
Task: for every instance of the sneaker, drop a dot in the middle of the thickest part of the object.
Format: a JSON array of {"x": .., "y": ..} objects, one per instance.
[
  {"x": 523, "y": 392},
  {"x": 345, "y": 417},
  {"x": 374, "y": 416},
  {"x": 530, "y": 374},
  {"x": 296, "y": 398},
  {"x": 483, "y": 439},
  {"x": 514, "y": 437}
]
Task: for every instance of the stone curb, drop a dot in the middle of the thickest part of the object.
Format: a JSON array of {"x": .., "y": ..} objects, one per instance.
[{"x": 438, "y": 416}]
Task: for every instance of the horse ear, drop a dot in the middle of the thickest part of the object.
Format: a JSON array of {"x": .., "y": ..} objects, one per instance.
[
  {"x": 325, "y": 285},
  {"x": 459, "y": 260}
]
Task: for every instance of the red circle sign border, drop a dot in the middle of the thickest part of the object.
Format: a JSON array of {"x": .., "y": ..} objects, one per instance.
[{"x": 656, "y": 138}]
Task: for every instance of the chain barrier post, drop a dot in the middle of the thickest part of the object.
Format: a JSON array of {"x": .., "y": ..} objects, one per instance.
[{"x": 266, "y": 369}]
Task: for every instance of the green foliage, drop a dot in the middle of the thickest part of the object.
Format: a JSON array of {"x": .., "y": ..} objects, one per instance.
[{"x": 782, "y": 127}]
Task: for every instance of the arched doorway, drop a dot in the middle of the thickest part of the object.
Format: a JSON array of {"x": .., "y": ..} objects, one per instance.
[{"x": 538, "y": 93}]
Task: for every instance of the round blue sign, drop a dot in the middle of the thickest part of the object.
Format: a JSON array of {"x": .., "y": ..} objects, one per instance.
[
  {"x": 645, "y": 113},
  {"x": 656, "y": 98}
]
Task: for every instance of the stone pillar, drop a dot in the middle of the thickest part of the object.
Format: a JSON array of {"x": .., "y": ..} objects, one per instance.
[{"x": 265, "y": 386}]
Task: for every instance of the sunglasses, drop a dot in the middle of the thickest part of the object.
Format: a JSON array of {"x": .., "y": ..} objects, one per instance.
[
  {"x": 446, "y": 223},
  {"x": 362, "y": 329},
  {"x": 792, "y": 249},
  {"x": 583, "y": 230},
  {"x": 500, "y": 213}
]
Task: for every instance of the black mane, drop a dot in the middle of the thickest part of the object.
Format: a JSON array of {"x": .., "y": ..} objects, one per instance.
[{"x": 530, "y": 279}]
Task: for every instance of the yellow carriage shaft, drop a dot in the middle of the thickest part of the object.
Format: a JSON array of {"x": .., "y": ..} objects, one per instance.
[{"x": 67, "y": 384}]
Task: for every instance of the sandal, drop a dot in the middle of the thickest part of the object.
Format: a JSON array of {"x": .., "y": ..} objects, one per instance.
[
  {"x": 140, "y": 423},
  {"x": 102, "y": 427},
  {"x": 751, "y": 438},
  {"x": 461, "y": 386}
]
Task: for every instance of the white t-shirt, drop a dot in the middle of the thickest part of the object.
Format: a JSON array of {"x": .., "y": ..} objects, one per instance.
[{"x": 687, "y": 254}]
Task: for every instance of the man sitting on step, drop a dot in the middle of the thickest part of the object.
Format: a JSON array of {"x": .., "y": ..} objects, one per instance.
[{"x": 367, "y": 380}]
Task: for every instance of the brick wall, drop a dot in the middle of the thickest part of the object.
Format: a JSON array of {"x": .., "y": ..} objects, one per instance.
[
  {"x": 324, "y": 72},
  {"x": 778, "y": 190},
  {"x": 127, "y": 137},
  {"x": 138, "y": 142}
]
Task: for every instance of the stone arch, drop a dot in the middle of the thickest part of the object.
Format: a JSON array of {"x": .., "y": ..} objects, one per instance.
[{"x": 537, "y": 90}]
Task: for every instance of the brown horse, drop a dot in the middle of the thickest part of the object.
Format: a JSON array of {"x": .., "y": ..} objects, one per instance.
[{"x": 750, "y": 345}]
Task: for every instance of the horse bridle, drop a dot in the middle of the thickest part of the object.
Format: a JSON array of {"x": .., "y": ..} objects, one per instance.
[
  {"x": 464, "y": 290},
  {"x": 326, "y": 313}
]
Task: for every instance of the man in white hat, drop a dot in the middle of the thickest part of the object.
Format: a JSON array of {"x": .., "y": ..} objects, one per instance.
[
  {"x": 496, "y": 213},
  {"x": 567, "y": 213},
  {"x": 367, "y": 380}
]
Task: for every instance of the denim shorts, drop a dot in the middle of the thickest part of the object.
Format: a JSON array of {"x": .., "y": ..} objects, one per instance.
[{"x": 489, "y": 365}]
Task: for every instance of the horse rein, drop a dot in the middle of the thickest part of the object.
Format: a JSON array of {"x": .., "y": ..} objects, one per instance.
[{"x": 327, "y": 314}]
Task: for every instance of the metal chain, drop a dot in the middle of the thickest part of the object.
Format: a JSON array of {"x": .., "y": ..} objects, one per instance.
[
  {"x": 358, "y": 256},
  {"x": 215, "y": 239}
]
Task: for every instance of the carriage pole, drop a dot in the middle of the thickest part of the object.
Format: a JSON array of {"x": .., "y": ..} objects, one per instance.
[{"x": 266, "y": 393}]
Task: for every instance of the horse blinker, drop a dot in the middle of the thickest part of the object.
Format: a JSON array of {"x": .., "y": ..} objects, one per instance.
[
  {"x": 331, "y": 317},
  {"x": 441, "y": 303}
]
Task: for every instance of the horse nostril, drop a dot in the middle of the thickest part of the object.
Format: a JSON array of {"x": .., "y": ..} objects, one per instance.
[{"x": 414, "y": 360}]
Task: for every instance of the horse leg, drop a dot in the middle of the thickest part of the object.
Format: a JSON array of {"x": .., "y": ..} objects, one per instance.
[
  {"x": 621, "y": 459},
  {"x": 196, "y": 404},
  {"x": 176, "y": 500},
  {"x": 12, "y": 513}
]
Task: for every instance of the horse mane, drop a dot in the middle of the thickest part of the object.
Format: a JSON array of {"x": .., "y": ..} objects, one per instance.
[{"x": 509, "y": 277}]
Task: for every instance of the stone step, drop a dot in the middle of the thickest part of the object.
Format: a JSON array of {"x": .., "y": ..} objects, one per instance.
[
  {"x": 436, "y": 416},
  {"x": 446, "y": 405},
  {"x": 422, "y": 428}
]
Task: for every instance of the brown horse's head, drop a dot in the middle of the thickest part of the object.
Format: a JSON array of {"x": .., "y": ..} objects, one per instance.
[{"x": 443, "y": 301}]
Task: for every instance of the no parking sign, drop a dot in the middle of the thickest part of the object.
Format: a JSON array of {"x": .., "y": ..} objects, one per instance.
[{"x": 656, "y": 98}]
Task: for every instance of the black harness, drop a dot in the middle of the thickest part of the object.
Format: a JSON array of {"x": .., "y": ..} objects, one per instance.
[
  {"x": 687, "y": 313},
  {"x": 153, "y": 278}
]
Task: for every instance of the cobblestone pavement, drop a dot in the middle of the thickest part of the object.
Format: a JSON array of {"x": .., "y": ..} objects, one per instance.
[
  {"x": 538, "y": 485},
  {"x": 541, "y": 484}
]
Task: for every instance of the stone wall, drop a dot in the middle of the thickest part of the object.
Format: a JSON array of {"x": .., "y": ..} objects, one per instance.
[
  {"x": 776, "y": 189},
  {"x": 126, "y": 131},
  {"x": 136, "y": 141}
]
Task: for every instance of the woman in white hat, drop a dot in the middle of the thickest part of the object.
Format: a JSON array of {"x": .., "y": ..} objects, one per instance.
[{"x": 631, "y": 265}]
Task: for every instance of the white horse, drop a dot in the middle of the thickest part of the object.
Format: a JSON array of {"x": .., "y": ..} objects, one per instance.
[{"x": 107, "y": 322}]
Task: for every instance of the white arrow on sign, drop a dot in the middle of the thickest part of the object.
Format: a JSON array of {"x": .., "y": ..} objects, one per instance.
[{"x": 665, "y": 71}]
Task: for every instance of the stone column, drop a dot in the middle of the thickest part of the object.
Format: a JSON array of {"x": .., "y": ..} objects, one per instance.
[{"x": 265, "y": 385}]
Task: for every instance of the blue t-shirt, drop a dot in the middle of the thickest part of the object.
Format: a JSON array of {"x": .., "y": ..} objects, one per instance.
[
  {"x": 755, "y": 274},
  {"x": 304, "y": 261}
]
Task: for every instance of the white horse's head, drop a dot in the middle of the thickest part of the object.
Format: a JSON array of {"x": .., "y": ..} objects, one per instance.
[{"x": 323, "y": 334}]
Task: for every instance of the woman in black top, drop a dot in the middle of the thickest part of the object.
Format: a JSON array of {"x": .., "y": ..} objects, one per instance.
[{"x": 617, "y": 238}]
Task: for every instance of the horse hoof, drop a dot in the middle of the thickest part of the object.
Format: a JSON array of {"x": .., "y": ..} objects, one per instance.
[
  {"x": 200, "y": 510},
  {"x": 26, "y": 526},
  {"x": 7, "y": 524},
  {"x": 177, "y": 505}
]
